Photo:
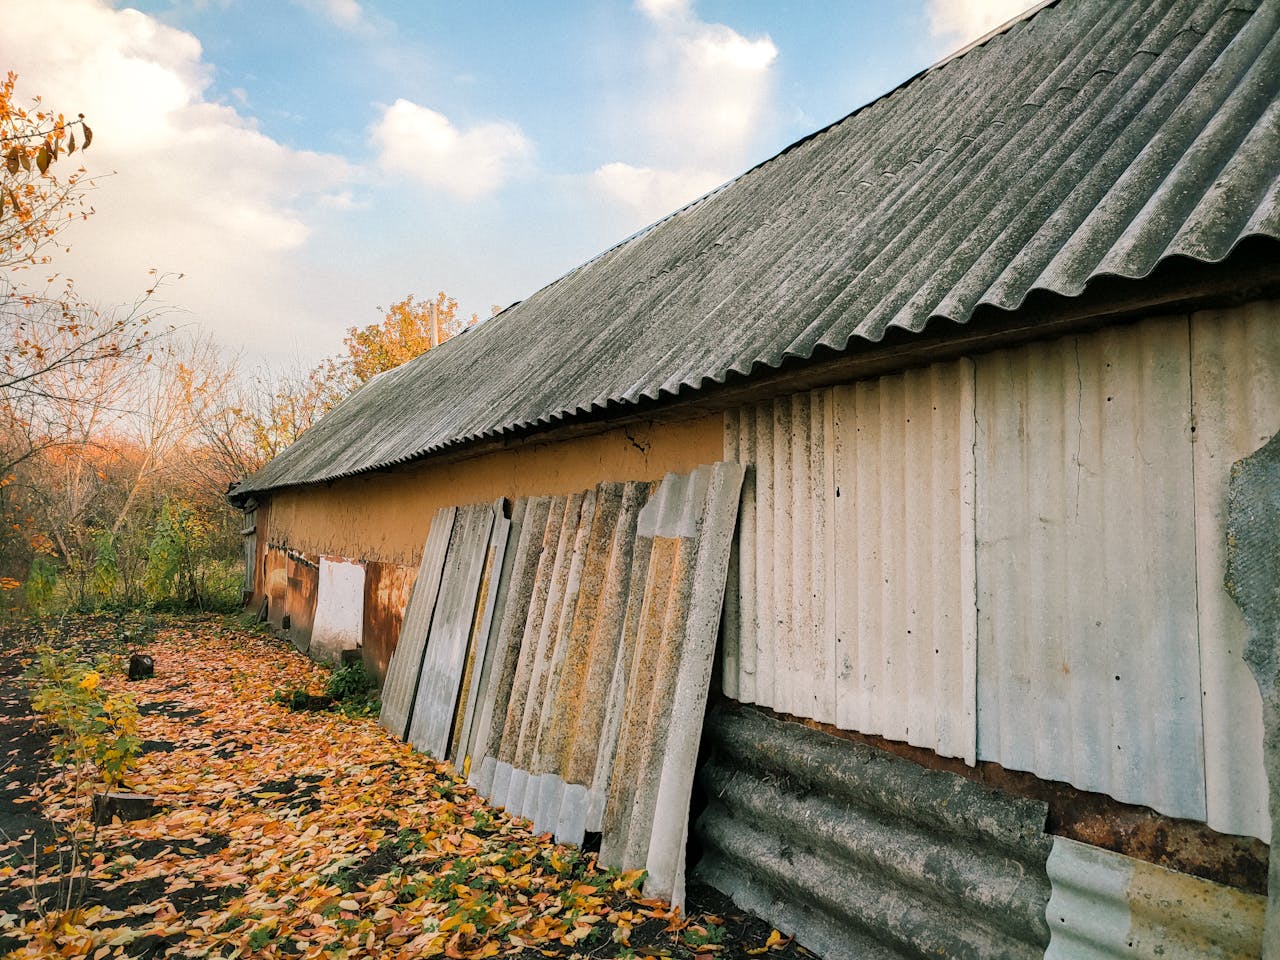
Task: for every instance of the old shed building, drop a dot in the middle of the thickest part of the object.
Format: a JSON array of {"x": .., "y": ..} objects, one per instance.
[{"x": 973, "y": 366}]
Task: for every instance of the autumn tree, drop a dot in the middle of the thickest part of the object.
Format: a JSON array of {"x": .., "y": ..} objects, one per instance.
[{"x": 410, "y": 328}]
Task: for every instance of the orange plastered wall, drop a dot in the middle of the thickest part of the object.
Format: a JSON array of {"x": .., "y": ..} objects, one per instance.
[{"x": 386, "y": 516}]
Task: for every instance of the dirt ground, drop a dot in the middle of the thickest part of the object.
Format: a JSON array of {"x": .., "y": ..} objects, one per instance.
[{"x": 300, "y": 834}]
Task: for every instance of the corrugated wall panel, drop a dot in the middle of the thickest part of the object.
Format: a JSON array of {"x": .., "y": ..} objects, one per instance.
[
  {"x": 1235, "y": 389},
  {"x": 853, "y": 593},
  {"x": 405, "y": 666},
  {"x": 1088, "y": 651},
  {"x": 861, "y": 854},
  {"x": 445, "y": 657},
  {"x": 1106, "y": 906},
  {"x": 515, "y": 594},
  {"x": 465, "y": 714}
]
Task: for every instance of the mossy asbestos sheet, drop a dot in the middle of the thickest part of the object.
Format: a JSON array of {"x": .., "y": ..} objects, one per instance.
[{"x": 590, "y": 625}]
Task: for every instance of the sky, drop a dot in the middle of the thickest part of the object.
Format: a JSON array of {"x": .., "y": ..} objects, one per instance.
[{"x": 303, "y": 164}]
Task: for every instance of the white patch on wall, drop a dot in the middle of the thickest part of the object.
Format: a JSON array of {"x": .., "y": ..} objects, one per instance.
[{"x": 339, "y": 610}]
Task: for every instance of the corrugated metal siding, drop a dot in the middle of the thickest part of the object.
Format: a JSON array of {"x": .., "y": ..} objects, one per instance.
[
  {"x": 1235, "y": 390},
  {"x": 852, "y": 600},
  {"x": 405, "y": 666},
  {"x": 1093, "y": 139},
  {"x": 1088, "y": 652},
  {"x": 859, "y": 853},
  {"x": 1106, "y": 906}
]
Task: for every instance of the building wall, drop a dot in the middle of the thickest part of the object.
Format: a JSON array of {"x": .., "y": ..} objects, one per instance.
[
  {"x": 385, "y": 517},
  {"x": 1019, "y": 556}
]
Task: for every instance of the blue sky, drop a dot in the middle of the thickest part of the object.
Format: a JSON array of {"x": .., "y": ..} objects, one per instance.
[{"x": 303, "y": 162}]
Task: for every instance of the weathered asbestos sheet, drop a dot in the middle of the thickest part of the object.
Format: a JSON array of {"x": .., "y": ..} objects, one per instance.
[
  {"x": 453, "y": 623},
  {"x": 852, "y": 593},
  {"x": 863, "y": 854},
  {"x": 598, "y": 661},
  {"x": 1106, "y": 906},
  {"x": 339, "y": 609},
  {"x": 1088, "y": 649},
  {"x": 401, "y": 685}
]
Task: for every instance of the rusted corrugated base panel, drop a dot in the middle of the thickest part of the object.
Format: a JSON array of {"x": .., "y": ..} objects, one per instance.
[
  {"x": 401, "y": 685},
  {"x": 863, "y": 855},
  {"x": 339, "y": 609},
  {"x": 1106, "y": 906},
  {"x": 448, "y": 641},
  {"x": 387, "y": 588},
  {"x": 608, "y": 690},
  {"x": 852, "y": 597},
  {"x": 1093, "y": 139}
]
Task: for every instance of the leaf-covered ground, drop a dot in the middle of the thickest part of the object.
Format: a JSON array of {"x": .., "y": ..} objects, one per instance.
[{"x": 303, "y": 834}]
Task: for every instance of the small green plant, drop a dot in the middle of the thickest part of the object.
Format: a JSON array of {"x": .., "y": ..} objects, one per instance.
[
  {"x": 42, "y": 581},
  {"x": 96, "y": 742},
  {"x": 701, "y": 936},
  {"x": 350, "y": 682},
  {"x": 260, "y": 937}
]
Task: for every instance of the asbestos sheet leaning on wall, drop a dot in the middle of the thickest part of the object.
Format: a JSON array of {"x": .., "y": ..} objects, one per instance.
[
  {"x": 578, "y": 698},
  {"x": 406, "y": 660}
]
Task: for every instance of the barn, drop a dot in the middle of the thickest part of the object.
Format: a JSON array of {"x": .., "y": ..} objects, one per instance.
[{"x": 855, "y": 538}]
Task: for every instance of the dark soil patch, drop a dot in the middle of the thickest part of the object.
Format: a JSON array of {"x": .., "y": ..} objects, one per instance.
[{"x": 167, "y": 708}]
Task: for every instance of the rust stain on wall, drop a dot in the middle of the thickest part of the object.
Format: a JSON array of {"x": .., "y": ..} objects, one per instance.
[
  {"x": 1187, "y": 846},
  {"x": 386, "y": 516},
  {"x": 300, "y": 603},
  {"x": 387, "y": 587}
]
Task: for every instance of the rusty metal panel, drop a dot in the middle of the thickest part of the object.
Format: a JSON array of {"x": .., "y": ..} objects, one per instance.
[
  {"x": 853, "y": 600},
  {"x": 405, "y": 666},
  {"x": 387, "y": 589},
  {"x": 339, "y": 609},
  {"x": 1235, "y": 392},
  {"x": 275, "y": 582},
  {"x": 1089, "y": 667},
  {"x": 448, "y": 640},
  {"x": 1106, "y": 906},
  {"x": 860, "y": 853},
  {"x": 302, "y": 590}
]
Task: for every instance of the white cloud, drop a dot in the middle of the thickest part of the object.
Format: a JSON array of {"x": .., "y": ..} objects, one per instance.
[
  {"x": 648, "y": 193},
  {"x": 961, "y": 21},
  {"x": 427, "y": 146},
  {"x": 184, "y": 184},
  {"x": 708, "y": 93},
  {"x": 710, "y": 86},
  {"x": 342, "y": 13}
]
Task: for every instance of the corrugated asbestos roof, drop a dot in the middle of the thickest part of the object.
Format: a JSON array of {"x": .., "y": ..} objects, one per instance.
[{"x": 1092, "y": 139}]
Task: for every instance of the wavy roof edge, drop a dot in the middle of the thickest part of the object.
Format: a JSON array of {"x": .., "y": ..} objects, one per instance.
[{"x": 1170, "y": 50}]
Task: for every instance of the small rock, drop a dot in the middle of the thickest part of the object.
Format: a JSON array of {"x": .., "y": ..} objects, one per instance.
[
  {"x": 141, "y": 667},
  {"x": 126, "y": 806}
]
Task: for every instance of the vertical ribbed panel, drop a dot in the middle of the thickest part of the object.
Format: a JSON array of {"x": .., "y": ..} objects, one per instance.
[
  {"x": 444, "y": 661},
  {"x": 515, "y": 595},
  {"x": 478, "y": 641},
  {"x": 853, "y": 591},
  {"x": 603, "y": 642},
  {"x": 1088, "y": 655},
  {"x": 1106, "y": 906},
  {"x": 405, "y": 665},
  {"x": 1235, "y": 366}
]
